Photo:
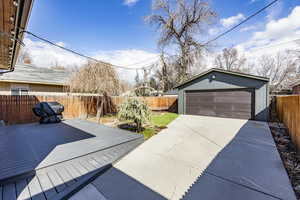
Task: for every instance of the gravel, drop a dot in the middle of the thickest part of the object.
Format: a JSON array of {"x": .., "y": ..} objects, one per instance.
[{"x": 288, "y": 153}]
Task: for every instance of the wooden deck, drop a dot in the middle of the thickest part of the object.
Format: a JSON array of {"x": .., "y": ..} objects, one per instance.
[{"x": 57, "y": 158}]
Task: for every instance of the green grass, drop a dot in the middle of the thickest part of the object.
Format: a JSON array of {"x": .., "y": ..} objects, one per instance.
[
  {"x": 158, "y": 121},
  {"x": 163, "y": 119},
  {"x": 148, "y": 132}
]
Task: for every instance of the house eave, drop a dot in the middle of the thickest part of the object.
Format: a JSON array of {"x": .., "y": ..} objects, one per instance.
[
  {"x": 33, "y": 82},
  {"x": 12, "y": 34}
]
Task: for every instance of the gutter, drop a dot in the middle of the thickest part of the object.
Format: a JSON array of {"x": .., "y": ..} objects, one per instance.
[
  {"x": 32, "y": 82},
  {"x": 21, "y": 20}
]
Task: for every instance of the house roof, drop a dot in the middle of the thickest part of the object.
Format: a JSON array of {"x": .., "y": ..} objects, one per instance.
[
  {"x": 225, "y": 72},
  {"x": 36, "y": 75},
  {"x": 295, "y": 83},
  {"x": 13, "y": 20},
  {"x": 171, "y": 92}
]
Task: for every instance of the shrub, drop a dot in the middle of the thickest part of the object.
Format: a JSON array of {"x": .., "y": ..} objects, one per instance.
[{"x": 135, "y": 110}]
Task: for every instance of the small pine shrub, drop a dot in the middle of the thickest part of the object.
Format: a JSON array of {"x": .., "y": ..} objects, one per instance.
[{"x": 135, "y": 110}]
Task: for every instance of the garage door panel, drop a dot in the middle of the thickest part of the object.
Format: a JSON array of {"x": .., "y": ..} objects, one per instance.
[
  {"x": 220, "y": 103},
  {"x": 240, "y": 99},
  {"x": 203, "y": 99}
]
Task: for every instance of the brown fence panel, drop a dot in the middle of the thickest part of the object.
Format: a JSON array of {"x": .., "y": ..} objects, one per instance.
[
  {"x": 288, "y": 110},
  {"x": 155, "y": 103},
  {"x": 18, "y": 109}
]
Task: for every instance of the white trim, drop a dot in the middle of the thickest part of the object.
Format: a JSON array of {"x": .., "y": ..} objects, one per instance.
[{"x": 225, "y": 72}]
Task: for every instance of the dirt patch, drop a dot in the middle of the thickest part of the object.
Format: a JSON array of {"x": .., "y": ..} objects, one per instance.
[{"x": 288, "y": 153}]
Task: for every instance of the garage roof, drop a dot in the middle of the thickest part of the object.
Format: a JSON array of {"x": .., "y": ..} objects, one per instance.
[
  {"x": 14, "y": 16},
  {"x": 225, "y": 72}
]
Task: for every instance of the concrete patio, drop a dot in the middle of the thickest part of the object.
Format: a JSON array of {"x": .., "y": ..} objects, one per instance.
[{"x": 199, "y": 158}]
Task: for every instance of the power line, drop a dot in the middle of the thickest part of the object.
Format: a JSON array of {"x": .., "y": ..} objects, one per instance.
[
  {"x": 88, "y": 57},
  {"x": 151, "y": 65},
  {"x": 242, "y": 22}
]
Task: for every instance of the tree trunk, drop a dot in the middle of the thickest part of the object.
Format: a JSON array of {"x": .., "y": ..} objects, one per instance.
[
  {"x": 138, "y": 126},
  {"x": 183, "y": 64},
  {"x": 100, "y": 111},
  {"x": 99, "y": 108}
]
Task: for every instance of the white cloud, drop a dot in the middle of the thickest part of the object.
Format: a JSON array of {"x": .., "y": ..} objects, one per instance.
[
  {"x": 127, "y": 58},
  {"x": 213, "y": 31},
  {"x": 130, "y": 2},
  {"x": 233, "y": 20},
  {"x": 275, "y": 10},
  {"x": 248, "y": 28},
  {"x": 44, "y": 55},
  {"x": 275, "y": 32}
]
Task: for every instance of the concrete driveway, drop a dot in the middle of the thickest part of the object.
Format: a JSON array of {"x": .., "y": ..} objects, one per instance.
[{"x": 200, "y": 158}]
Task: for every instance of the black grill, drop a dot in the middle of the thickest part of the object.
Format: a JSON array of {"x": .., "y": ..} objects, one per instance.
[{"x": 49, "y": 112}]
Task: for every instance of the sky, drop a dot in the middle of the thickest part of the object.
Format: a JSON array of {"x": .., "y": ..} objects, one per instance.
[{"x": 115, "y": 30}]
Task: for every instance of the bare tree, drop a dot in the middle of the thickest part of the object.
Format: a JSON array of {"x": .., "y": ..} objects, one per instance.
[
  {"x": 166, "y": 74},
  {"x": 58, "y": 66},
  {"x": 181, "y": 23},
  {"x": 137, "y": 79},
  {"x": 24, "y": 56},
  {"x": 97, "y": 78},
  {"x": 230, "y": 60},
  {"x": 281, "y": 69}
]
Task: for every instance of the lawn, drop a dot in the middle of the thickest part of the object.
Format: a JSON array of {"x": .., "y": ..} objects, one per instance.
[
  {"x": 163, "y": 119},
  {"x": 158, "y": 122}
]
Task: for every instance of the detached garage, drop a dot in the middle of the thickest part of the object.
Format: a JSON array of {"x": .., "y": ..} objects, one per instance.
[{"x": 221, "y": 93}]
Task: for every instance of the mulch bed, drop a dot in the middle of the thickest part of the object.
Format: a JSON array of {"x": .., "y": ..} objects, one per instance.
[
  {"x": 288, "y": 153},
  {"x": 131, "y": 127}
]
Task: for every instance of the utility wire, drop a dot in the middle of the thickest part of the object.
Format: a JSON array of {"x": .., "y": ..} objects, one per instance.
[
  {"x": 153, "y": 64},
  {"x": 85, "y": 56},
  {"x": 242, "y": 22}
]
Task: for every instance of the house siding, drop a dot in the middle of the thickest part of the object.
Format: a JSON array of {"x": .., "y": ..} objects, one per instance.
[
  {"x": 228, "y": 81},
  {"x": 6, "y": 87},
  {"x": 296, "y": 89}
]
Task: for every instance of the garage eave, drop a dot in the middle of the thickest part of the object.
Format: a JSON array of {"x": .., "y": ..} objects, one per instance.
[{"x": 225, "y": 72}]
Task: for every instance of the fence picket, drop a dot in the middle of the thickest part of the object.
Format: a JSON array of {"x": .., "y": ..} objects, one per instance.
[
  {"x": 18, "y": 109},
  {"x": 288, "y": 110}
]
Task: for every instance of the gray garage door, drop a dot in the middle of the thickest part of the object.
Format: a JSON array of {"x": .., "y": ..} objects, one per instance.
[{"x": 221, "y": 103}]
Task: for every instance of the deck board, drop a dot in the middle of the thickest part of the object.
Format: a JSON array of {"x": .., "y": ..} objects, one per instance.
[
  {"x": 72, "y": 171},
  {"x": 47, "y": 186},
  {"x": 57, "y": 179},
  {"x": 22, "y": 190},
  {"x": 82, "y": 170},
  {"x": 35, "y": 189},
  {"x": 29, "y": 147},
  {"x": 66, "y": 177},
  {"x": 1, "y": 190},
  {"x": 87, "y": 165},
  {"x": 9, "y": 192}
]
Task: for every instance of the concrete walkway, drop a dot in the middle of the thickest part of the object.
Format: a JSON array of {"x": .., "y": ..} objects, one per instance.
[{"x": 201, "y": 158}]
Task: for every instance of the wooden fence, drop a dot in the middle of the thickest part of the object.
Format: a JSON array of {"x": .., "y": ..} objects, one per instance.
[
  {"x": 288, "y": 110},
  {"x": 18, "y": 109},
  {"x": 155, "y": 103}
]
